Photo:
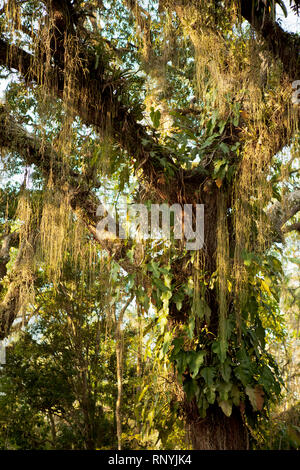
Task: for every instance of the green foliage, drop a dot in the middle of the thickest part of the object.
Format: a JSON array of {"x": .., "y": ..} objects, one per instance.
[
  {"x": 282, "y": 431},
  {"x": 232, "y": 373}
]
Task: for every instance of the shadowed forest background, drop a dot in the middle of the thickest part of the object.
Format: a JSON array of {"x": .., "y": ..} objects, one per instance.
[{"x": 140, "y": 343}]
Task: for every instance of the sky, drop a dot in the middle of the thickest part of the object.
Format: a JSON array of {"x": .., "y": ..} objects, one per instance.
[{"x": 292, "y": 22}]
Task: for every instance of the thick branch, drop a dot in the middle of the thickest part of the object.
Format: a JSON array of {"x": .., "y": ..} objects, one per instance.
[
  {"x": 99, "y": 101},
  {"x": 18, "y": 287},
  {"x": 292, "y": 227},
  {"x": 9, "y": 240},
  {"x": 82, "y": 200},
  {"x": 283, "y": 45},
  {"x": 281, "y": 212}
]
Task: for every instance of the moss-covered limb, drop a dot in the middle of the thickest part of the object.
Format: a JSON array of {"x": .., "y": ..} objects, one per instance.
[
  {"x": 81, "y": 199},
  {"x": 290, "y": 205},
  {"x": 16, "y": 58},
  {"x": 292, "y": 228},
  {"x": 63, "y": 20},
  {"x": 20, "y": 283},
  {"x": 228, "y": 75},
  {"x": 98, "y": 102},
  {"x": 8, "y": 241},
  {"x": 8, "y": 309},
  {"x": 64, "y": 13},
  {"x": 16, "y": 139},
  {"x": 282, "y": 44},
  {"x": 94, "y": 93},
  {"x": 281, "y": 212}
]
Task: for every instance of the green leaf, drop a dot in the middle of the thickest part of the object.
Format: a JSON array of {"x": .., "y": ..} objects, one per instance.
[
  {"x": 208, "y": 373},
  {"x": 143, "y": 393},
  {"x": 225, "y": 371},
  {"x": 226, "y": 406},
  {"x": 260, "y": 333},
  {"x": 196, "y": 362},
  {"x": 211, "y": 395},
  {"x": 220, "y": 349},
  {"x": 209, "y": 141},
  {"x": 155, "y": 117},
  {"x": 200, "y": 308},
  {"x": 167, "y": 342},
  {"x": 294, "y": 260},
  {"x": 150, "y": 417},
  {"x": 219, "y": 163},
  {"x": 236, "y": 120},
  {"x": 202, "y": 405},
  {"x": 243, "y": 373},
  {"x": 235, "y": 394},
  {"x": 152, "y": 266},
  {"x": 221, "y": 126},
  {"x": 177, "y": 343},
  {"x": 246, "y": 369},
  {"x": 224, "y": 389},
  {"x": 252, "y": 396},
  {"x": 190, "y": 387},
  {"x": 181, "y": 362},
  {"x": 252, "y": 307},
  {"x": 191, "y": 327},
  {"x": 267, "y": 378},
  {"x": 159, "y": 283},
  {"x": 178, "y": 298},
  {"x": 224, "y": 147}
]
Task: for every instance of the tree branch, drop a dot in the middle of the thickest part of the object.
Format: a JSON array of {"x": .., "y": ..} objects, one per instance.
[
  {"x": 97, "y": 97},
  {"x": 82, "y": 200},
  {"x": 9, "y": 240},
  {"x": 292, "y": 227},
  {"x": 283, "y": 45},
  {"x": 19, "y": 284},
  {"x": 281, "y": 212}
]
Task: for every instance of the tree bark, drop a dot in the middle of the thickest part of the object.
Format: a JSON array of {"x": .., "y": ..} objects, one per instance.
[
  {"x": 216, "y": 431},
  {"x": 119, "y": 355},
  {"x": 53, "y": 428},
  {"x": 119, "y": 358}
]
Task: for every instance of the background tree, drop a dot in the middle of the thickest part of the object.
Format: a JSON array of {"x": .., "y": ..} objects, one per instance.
[{"x": 70, "y": 378}]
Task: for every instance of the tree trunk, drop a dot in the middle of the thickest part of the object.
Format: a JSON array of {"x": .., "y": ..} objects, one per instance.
[
  {"x": 119, "y": 353},
  {"x": 119, "y": 357},
  {"x": 53, "y": 428},
  {"x": 216, "y": 431}
]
